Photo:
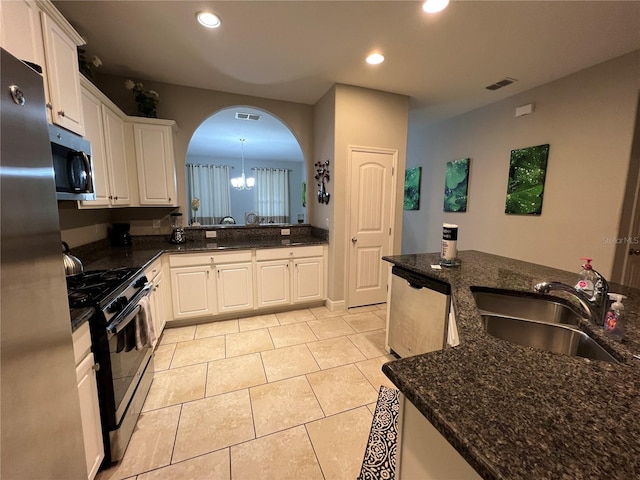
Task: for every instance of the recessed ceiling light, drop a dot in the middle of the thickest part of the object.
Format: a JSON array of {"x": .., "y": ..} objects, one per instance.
[
  {"x": 375, "y": 59},
  {"x": 208, "y": 19},
  {"x": 434, "y": 6}
]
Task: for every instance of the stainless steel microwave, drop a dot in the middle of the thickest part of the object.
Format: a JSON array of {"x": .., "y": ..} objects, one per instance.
[{"x": 72, "y": 165}]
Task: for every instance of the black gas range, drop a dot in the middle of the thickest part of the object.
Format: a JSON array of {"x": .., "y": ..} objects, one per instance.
[{"x": 125, "y": 371}]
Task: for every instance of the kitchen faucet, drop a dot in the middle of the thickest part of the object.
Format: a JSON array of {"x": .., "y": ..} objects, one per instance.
[{"x": 595, "y": 306}]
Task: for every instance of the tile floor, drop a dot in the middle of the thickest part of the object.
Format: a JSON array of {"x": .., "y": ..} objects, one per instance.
[{"x": 281, "y": 396}]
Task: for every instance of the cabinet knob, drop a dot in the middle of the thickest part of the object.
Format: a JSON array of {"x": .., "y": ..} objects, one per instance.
[
  {"x": 61, "y": 113},
  {"x": 634, "y": 251},
  {"x": 110, "y": 197},
  {"x": 49, "y": 106},
  {"x": 115, "y": 198},
  {"x": 354, "y": 240},
  {"x": 96, "y": 366}
]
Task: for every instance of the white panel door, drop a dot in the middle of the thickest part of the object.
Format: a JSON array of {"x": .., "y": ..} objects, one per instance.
[
  {"x": 116, "y": 149},
  {"x": 156, "y": 164},
  {"x": 273, "y": 285},
  {"x": 64, "y": 79},
  {"x": 371, "y": 203},
  {"x": 90, "y": 414},
  {"x": 193, "y": 292},
  {"x": 94, "y": 132},
  {"x": 308, "y": 279},
  {"x": 235, "y": 287}
]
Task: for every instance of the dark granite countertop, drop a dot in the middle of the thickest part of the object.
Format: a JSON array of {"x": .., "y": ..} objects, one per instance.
[
  {"x": 145, "y": 249},
  {"x": 518, "y": 412},
  {"x": 79, "y": 316}
]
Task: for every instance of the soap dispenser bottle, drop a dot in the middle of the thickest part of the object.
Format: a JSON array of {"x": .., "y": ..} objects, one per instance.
[
  {"x": 613, "y": 323},
  {"x": 586, "y": 277}
]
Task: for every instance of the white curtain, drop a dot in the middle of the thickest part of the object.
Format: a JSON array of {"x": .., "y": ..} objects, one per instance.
[
  {"x": 272, "y": 194},
  {"x": 210, "y": 184}
]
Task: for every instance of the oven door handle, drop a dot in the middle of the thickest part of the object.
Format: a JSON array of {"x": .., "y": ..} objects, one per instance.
[{"x": 129, "y": 314}]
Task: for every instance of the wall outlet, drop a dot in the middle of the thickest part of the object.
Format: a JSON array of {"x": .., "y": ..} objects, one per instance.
[
  {"x": 210, "y": 234},
  {"x": 285, "y": 231},
  {"x": 156, "y": 224}
]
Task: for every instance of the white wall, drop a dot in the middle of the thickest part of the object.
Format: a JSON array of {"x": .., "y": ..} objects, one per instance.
[
  {"x": 356, "y": 116},
  {"x": 587, "y": 118}
]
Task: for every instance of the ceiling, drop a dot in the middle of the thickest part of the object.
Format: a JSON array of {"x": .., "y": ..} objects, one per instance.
[{"x": 295, "y": 50}]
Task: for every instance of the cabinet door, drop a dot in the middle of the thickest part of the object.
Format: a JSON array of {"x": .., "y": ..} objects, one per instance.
[
  {"x": 156, "y": 164},
  {"x": 63, "y": 77},
  {"x": 273, "y": 283},
  {"x": 193, "y": 292},
  {"x": 20, "y": 31},
  {"x": 235, "y": 287},
  {"x": 308, "y": 279},
  {"x": 116, "y": 149},
  {"x": 90, "y": 414},
  {"x": 94, "y": 132},
  {"x": 157, "y": 301}
]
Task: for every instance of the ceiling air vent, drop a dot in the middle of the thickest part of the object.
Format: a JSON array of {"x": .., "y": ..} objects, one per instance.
[
  {"x": 247, "y": 116},
  {"x": 502, "y": 83}
]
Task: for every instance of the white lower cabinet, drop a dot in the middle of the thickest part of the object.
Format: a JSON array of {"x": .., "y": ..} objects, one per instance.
[
  {"x": 246, "y": 280},
  {"x": 88, "y": 394},
  {"x": 157, "y": 297},
  {"x": 193, "y": 291},
  {"x": 234, "y": 286},
  {"x": 308, "y": 279},
  {"x": 422, "y": 450},
  {"x": 274, "y": 284}
]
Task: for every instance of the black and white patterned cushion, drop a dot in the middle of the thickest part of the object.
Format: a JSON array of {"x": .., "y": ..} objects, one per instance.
[{"x": 380, "y": 455}]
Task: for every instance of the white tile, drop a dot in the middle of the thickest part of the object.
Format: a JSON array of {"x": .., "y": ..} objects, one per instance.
[
  {"x": 235, "y": 373},
  {"x": 201, "y": 350},
  {"x": 334, "y": 352},
  {"x": 171, "y": 387},
  {"x": 341, "y": 388},
  {"x": 293, "y": 334},
  {"x": 179, "y": 334},
  {"x": 286, "y": 455},
  {"x": 257, "y": 322},
  {"x": 244, "y": 343},
  {"x": 288, "y": 362},
  {"x": 212, "y": 466},
  {"x": 221, "y": 327},
  {"x": 213, "y": 423}
]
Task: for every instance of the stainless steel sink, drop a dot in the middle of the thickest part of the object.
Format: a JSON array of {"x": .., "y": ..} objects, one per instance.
[
  {"x": 531, "y": 307},
  {"x": 546, "y": 336}
]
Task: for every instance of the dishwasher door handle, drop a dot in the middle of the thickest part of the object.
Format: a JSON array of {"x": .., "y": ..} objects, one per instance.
[{"x": 414, "y": 286}]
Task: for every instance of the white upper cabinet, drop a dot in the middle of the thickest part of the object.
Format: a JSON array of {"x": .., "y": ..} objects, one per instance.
[
  {"x": 116, "y": 148},
  {"x": 111, "y": 153},
  {"x": 155, "y": 159},
  {"x": 63, "y": 77},
  {"x": 20, "y": 31},
  {"x": 38, "y": 33}
]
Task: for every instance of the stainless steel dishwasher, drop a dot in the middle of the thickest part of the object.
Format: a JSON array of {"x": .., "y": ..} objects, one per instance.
[{"x": 418, "y": 313}]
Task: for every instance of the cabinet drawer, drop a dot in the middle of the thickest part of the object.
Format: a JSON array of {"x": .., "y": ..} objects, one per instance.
[
  {"x": 154, "y": 269},
  {"x": 290, "y": 252},
  {"x": 214, "y": 257},
  {"x": 81, "y": 342}
]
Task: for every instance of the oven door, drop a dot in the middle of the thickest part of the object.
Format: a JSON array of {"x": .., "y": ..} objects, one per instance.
[{"x": 127, "y": 362}]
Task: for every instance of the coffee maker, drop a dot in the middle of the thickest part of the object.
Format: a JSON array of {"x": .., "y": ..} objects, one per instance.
[
  {"x": 177, "y": 232},
  {"x": 119, "y": 235}
]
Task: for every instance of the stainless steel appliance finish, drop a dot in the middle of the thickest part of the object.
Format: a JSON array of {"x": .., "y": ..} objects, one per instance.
[
  {"x": 41, "y": 423},
  {"x": 126, "y": 372},
  {"x": 418, "y": 313},
  {"x": 72, "y": 165}
]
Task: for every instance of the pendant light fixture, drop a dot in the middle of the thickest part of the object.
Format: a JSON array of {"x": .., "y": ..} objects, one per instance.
[{"x": 242, "y": 182}]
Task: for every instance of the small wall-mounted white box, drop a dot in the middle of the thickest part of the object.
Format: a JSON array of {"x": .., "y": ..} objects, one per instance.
[
  {"x": 285, "y": 231},
  {"x": 210, "y": 234},
  {"x": 524, "y": 110}
]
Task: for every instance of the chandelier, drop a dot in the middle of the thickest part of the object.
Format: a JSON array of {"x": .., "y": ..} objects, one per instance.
[{"x": 242, "y": 182}]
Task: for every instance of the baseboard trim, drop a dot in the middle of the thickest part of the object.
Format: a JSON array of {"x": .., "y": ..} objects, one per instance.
[{"x": 337, "y": 305}]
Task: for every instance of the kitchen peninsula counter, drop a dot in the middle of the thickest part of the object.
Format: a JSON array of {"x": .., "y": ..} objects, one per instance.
[
  {"x": 517, "y": 412},
  {"x": 145, "y": 249}
]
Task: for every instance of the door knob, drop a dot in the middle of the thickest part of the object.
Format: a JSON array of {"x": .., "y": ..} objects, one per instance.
[
  {"x": 634, "y": 251},
  {"x": 354, "y": 240}
]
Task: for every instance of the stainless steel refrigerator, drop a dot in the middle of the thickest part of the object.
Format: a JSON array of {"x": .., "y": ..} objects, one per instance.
[{"x": 40, "y": 409}]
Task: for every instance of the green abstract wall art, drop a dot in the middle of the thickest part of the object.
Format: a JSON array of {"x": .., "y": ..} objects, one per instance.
[
  {"x": 456, "y": 184},
  {"x": 527, "y": 172},
  {"x": 412, "y": 188}
]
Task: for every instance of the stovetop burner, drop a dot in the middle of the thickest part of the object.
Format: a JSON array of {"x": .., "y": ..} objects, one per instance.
[{"x": 89, "y": 288}]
